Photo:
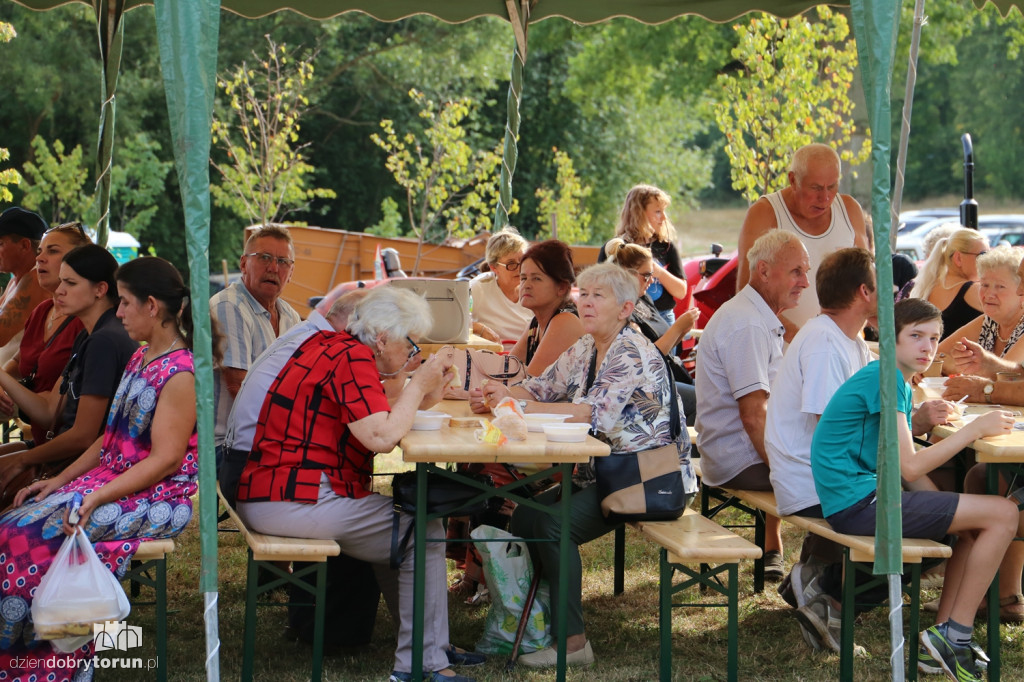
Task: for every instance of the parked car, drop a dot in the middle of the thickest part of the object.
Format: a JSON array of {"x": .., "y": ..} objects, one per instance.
[
  {"x": 997, "y": 228},
  {"x": 911, "y": 220}
]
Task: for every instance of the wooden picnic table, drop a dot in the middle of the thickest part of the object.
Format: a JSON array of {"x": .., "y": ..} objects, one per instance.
[
  {"x": 428, "y": 449},
  {"x": 1005, "y": 452}
]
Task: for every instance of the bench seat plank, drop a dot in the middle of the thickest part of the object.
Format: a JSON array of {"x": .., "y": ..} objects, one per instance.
[
  {"x": 694, "y": 538},
  {"x": 276, "y": 548}
]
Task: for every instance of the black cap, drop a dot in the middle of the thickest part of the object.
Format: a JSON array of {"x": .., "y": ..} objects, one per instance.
[{"x": 24, "y": 223}]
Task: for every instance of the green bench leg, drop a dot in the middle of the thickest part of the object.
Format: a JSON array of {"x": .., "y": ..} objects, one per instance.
[
  {"x": 252, "y": 591},
  {"x": 136, "y": 577},
  {"x": 665, "y": 617},
  {"x": 705, "y": 579},
  {"x": 850, "y": 592},
  {"x": 249, "y": 638}
]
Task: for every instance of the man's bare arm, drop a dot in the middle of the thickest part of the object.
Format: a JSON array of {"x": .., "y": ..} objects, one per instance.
[
  {"x": 759, "y": 219},
  {"x": 860, "y": 232},
  {"x": 15, "y": 310},
  {"x": 754, "y": 414}
]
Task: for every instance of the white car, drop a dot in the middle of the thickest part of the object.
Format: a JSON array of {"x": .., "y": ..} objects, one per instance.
[{"x": 997, "y": 229}]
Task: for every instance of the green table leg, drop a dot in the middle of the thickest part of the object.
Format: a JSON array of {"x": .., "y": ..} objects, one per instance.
[
  {"x": 564, "y": 549},
  {"x": 419, "y": 569}
]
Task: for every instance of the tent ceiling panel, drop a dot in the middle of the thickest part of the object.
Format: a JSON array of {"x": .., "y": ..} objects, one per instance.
[{"x": 457, "y": 11}]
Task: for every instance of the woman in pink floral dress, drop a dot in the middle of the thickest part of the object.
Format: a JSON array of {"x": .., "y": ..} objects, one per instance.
[{"x": 136, "y": 479}]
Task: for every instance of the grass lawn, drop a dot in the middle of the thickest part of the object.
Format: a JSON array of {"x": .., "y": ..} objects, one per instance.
[{"x": 623, "y": 630}]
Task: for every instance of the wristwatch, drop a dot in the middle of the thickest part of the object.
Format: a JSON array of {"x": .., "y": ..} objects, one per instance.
[{"x": 987, "y": 390}]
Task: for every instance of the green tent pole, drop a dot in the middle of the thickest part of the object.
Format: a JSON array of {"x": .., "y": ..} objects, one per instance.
[
  {"x": 110, "y": 30},
  {"x": 876, "y": 23},
  {"x": 188, "y": 32},
  {"x": 510, "y": 153}
]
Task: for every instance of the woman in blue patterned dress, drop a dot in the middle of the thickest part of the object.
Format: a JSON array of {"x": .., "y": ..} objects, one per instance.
[
  {"x": 626, "y": 398},
  {"x": 136, "y": 478}
]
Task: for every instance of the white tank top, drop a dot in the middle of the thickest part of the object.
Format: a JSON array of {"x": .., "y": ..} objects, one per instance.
[{"x": 840, "y": 234}]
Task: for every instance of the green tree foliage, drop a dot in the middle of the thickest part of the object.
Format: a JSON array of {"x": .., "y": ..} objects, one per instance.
[
  {"x": 390, "y": 223},
  {"x": 55, "y": 184},
  {"x": 138, "y": 178},
  {"x": 8, "y": 176},
  {"x": 561, "y": 213},
  {"x": 626, "y": 100},
  {"x": 450, "y": 187},
  {"x": 792, "y": 88},
  {"x": 265, "y": 176}
]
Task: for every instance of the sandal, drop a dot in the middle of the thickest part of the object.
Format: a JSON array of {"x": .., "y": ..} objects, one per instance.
[{"x": 1011, "y": 609}]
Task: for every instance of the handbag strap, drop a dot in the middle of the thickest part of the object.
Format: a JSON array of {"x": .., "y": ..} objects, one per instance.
[
  {"x": 674, "y": 428},
  {"x": 397, "y": 546}
]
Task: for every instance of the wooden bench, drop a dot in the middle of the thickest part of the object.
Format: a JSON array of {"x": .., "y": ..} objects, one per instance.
[
  {"x": 265, "y": 551},
  {"x": 152, "y": 556},
  {"x": 858, "y": 550},
  {"x": 694, "y": 539}
]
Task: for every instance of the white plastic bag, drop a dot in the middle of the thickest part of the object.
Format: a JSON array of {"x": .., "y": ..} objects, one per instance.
[
  {"x": 509, "y": 571},
  {"x": 77, "y": 591}
]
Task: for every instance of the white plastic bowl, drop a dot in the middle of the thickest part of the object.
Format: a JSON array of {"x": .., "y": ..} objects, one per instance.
[
  {"x": 936, "y": 383},
  {"x": 428, "y": 421},
  {"x": 566, "y": 433},
  {"x": 535, "y": 421}
]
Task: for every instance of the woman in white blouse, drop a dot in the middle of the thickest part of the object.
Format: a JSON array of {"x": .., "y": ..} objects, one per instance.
[{"x": 497, "y": 315}]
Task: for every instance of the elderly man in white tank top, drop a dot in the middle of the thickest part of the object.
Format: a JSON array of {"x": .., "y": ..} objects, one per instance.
[{"x": 807, "y": 208}]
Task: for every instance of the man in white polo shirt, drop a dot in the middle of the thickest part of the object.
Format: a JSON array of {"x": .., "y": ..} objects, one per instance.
[{"x": 737, "y": 358}]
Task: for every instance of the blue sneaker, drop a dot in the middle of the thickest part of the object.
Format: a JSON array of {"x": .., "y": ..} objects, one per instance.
[
  {"x": 429, "y": 677},
  {"x": 466, "y": 659},
  {"x": 926, "y": 664},
  {"x": 956, "y": 661}
]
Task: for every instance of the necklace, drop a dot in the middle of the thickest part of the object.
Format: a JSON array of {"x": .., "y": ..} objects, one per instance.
[
  {"x": 1012, "y": 329},
  {"x": 168, "y": 349},
  {"x": 942, "y": 283},
  {"x": 52, "y": 317}
]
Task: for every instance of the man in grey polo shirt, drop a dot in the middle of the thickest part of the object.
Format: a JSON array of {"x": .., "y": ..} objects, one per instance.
[
  {"x": 737, "y": 359},
  {"x": 251, "y": 315}
]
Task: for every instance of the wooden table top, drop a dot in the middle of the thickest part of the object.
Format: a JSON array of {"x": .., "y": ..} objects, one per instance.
[
  {"x": 475, "y": 342},
  {"x": 461, "y": 445},
  {"x": 1007, "y": 448}
]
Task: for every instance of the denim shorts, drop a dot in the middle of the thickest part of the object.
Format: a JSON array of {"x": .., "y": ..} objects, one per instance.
[{"x": 926, "y": 514}]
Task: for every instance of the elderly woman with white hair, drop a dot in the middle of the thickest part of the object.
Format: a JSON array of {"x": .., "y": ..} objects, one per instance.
[
  {"x": 614, "y": 379},
  {"x": 308, "y": 474},
  {"x": 1001, "y": 327},
  {"x": 497, "y": 314}
]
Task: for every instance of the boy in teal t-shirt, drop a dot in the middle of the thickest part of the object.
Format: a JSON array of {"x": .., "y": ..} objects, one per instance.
[{"x": 844, "y": 454}]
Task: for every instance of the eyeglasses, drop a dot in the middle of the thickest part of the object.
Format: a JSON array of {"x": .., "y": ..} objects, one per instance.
[
  {"x": 647, "y": 276},
  {"x": 70, "y": 227},
  {"x": 265, "y": 258},
  {"x": 968, "y": 253},
  {"x": 512, "y": 266},
  {"x": 415, "y": 349}
]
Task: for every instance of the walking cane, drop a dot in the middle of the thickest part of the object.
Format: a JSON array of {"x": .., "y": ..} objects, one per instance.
[{"x": 524, "y": 617}]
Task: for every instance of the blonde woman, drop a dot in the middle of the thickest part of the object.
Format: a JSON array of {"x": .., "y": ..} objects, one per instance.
[
  {"x": 949, "y": 277},
  {"x": 644, "y": 221}
]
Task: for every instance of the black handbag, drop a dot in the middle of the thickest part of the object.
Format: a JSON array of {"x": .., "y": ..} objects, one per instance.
[
  {"x": 444, "y": 496},
  {"x": 646, "y": 485}
]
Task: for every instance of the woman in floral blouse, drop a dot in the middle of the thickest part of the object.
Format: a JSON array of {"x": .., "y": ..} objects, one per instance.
[{"x": 625, "y": 399}]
